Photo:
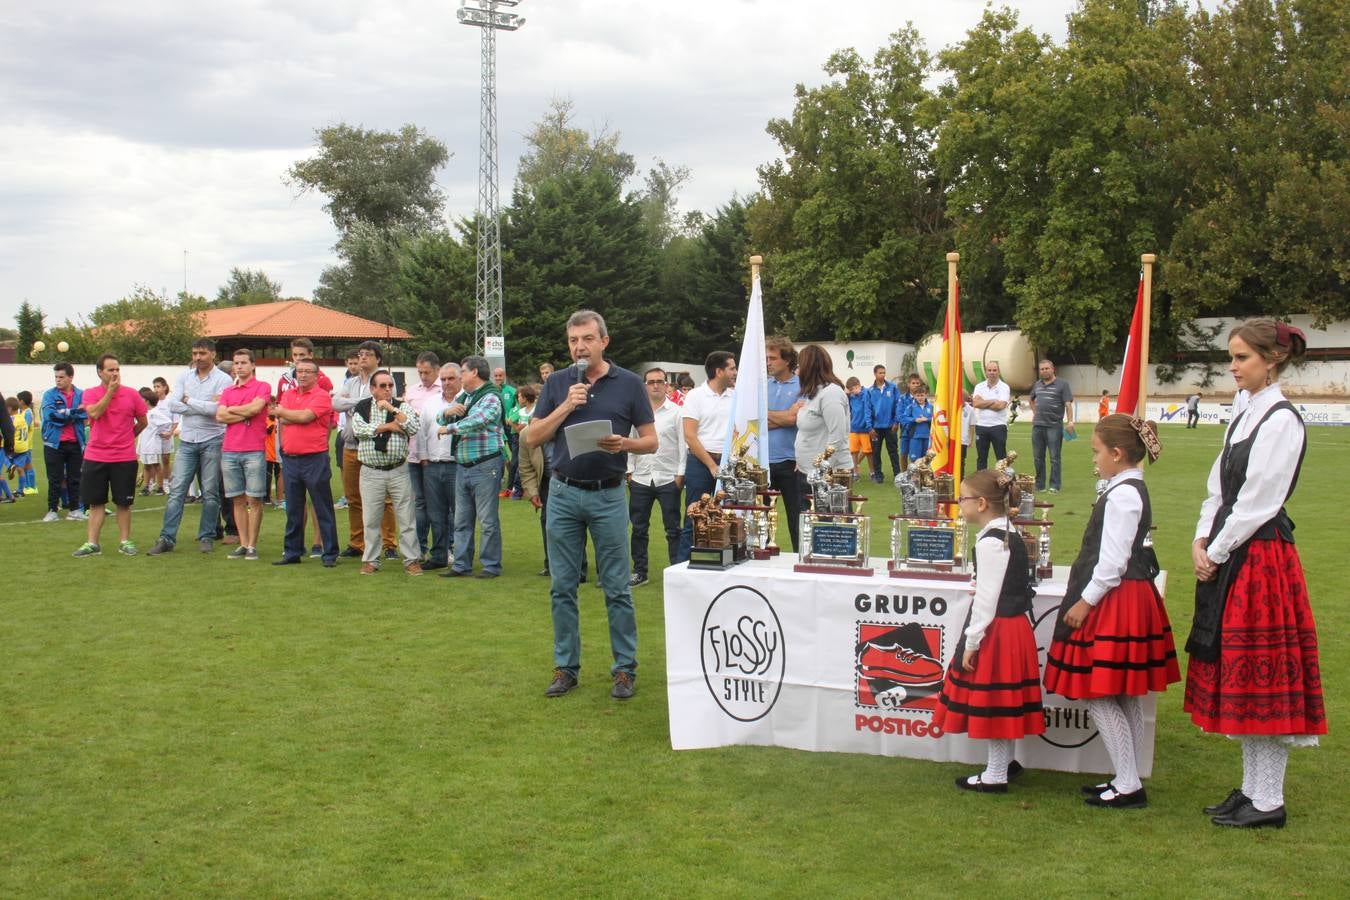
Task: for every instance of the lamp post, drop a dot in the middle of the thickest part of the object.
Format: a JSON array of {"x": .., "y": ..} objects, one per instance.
[{"x": 489, "y": 324}]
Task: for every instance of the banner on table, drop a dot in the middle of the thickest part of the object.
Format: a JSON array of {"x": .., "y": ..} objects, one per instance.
[{"x": 758, "y": 654}]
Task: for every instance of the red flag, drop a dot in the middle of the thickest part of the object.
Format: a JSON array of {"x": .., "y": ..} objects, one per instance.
[
  {"x": 1128, "y": 397},
  {"x": 945, "y": 434}
]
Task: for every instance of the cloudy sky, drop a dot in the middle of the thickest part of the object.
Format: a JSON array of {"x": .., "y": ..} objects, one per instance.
[{"x": 131, "y": 133}]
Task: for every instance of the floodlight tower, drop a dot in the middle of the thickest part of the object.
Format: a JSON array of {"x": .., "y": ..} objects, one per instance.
[{"x": 489, "y": 328}]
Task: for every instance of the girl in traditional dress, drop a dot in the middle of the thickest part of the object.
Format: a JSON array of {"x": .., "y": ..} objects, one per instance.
[
  {"x": 993, "y": 685},
  {"x": 1253, "y": 671},
  {"x": 1113, "y": 641}
]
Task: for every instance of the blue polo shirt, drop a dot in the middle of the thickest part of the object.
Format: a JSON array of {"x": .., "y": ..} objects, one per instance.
[
  {"x": 618, "y": 396},
  {"x": 883, "y": 401},
  {"x": 782, "y": 394}
]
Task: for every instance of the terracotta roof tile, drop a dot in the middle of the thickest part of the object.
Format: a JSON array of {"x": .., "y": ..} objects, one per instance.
[{"x": 295, "y": 318}]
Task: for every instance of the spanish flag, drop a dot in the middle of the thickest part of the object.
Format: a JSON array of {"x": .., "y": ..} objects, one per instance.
[
  {"x": 946, "y": 430},
  {"x": 1127, "y": 398}
]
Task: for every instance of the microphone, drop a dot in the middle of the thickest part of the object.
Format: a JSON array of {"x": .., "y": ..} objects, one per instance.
[{"x": 581, "y": 366}]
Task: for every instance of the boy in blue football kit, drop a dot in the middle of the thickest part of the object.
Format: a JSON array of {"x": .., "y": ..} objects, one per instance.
[{"x": 917, "y": 420}]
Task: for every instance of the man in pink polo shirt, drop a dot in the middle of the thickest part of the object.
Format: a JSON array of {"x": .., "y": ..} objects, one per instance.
[
  {"x": 305, "y": 413},
  {"x": 116, "y": 415},
  {"x": 243, "y": 457}
]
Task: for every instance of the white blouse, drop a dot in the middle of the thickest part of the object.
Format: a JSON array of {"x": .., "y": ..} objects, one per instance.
[
  {"x": 1270, "y": 471},
  {"x": 1120, "y": 524},
  {"x": 991, "y": 556}
]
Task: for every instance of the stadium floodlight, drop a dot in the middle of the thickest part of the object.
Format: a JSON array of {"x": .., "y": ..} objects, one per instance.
[{"x": 489, "y": 320}]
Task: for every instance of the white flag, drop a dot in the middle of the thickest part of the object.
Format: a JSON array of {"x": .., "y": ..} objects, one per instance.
[{"x": 749, "y": 423}]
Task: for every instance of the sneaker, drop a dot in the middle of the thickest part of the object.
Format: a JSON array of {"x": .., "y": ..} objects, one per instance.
[
  {"x": 50, "y": 517},
  {"x": 238, "y": 553},
  {"x": 251, "y": 553},
  {"x": 638, "y": 580},
  {"x": 413, "y": 568},
  {"x": 623, "y": 686},
  {"x": 206, "y": 545},
  {"x": 350, "y": 553},
  {"x": 893, "y": 662},
  {"x": 144, "y": 492},
  {"x": 563, "y": 681},
  {"x": 161, "y": 546},
  {"x": 341, "y": 503},
  {"x": 281, "y": 505},
  {"x": 1054, "y": 490},
  {"x": 316, "y": 552},
  {"x": 77, "y": 515},
  {"x": 369, "y": 568},
  {"x": 126, "y": 548},
  {"x": 88, "y": 549},
  {"x": 230, "y": 539},
  {"x": 28, "y": 492}
]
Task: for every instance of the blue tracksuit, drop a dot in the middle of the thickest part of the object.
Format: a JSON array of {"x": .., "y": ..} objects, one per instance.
[
  {"x": 860, "y": 414},
  {"x": 917, "y": 442}
]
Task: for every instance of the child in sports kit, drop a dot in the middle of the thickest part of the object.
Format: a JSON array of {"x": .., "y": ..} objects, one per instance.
[
  {"x": 993, "y": 685},
  {"x": 1113, "y": 642},
  {"x": 149, "y": 442}
]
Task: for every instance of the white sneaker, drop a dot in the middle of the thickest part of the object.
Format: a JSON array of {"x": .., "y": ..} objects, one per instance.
[
  {"x": 76, "y": 515},
  {"x": 50, "y": 517}
]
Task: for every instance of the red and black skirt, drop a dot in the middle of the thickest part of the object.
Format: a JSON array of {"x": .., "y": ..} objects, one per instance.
[
  {"x": 1002, "y": 697},
  {"x": 1266, "y": 679},
  {"x": 1124, "y": 646}
]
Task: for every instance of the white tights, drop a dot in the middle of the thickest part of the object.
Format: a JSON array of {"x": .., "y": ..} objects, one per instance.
[
  {"x": 1263, "y": 762},
  {"x": 1000, "y": 754},
  {"x": 1120, "y": 721}
]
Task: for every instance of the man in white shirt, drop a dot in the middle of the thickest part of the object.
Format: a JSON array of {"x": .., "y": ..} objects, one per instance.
[
  {"x": 656, "y": 478},
  {"x": 990, "y": 399},
  {"x": 703, "y": 420},
  {"x": 416, "y": 394},
  {"x": 436, "y": 459}
]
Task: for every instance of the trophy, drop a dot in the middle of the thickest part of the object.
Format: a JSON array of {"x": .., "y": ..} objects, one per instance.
[
  {"x": 769, "y": 500},
  {"x": 835, "y": 534},
  {"x": 717, "y": 535},
  {"x": 1037, "y": 543},
  {"x": 924, "y": 543}
]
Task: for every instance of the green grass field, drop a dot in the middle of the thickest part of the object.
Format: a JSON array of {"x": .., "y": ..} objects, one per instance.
[{"x": 189, "y": 725}]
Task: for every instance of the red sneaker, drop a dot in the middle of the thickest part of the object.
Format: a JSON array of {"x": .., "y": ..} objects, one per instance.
[{"x": 899, "y": 664}]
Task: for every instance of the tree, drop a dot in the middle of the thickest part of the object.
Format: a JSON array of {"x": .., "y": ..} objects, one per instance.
[
  {"x": 574, "y": 242},
  {"x": 435, "y": 297},
  {"x": 32, "y": 324},
  {"x": 143, "y": 327},
  {"x": 246, "y": 287},
  {"x": 852, "y": 220},
  {"x": 556, "y": 147},
  {"x": 659, "y": 213},
  {"x": 380, "y": 178},
  {"x": 367, "y": 278},
  {"x": 707, "y": 280}
]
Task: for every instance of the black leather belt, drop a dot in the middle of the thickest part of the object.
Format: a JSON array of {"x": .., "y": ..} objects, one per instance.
[
  {"x": 396, "y": 465},
  {"x": 481, "y": 459},
  {"x": 601, "y": 485}
]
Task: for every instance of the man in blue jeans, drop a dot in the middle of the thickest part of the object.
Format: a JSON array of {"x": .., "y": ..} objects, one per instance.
[
  {"x": 476, "y": 422},
  {"x": 587, "y": 494},
  {"x": 195, "y": 397},
  {"x": 1052, "y": 415}
]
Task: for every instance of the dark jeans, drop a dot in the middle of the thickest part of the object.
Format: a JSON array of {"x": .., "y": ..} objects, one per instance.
[
  {"x": 309, "y": 473},
  {"x": 1192, "y": 419},
  {"x": 513, "y": 476},
  {"x": 544, "y": 480},
  {"x": 986, "y": 435},
  {"x": 63, "y": 464},
  {"x": 640, "y": 500},
  {"x": 784, "y": 477},
  {"x": 697, "y": 482},
  {"x": 888, "y": 437},
  {"x": 420, "y": 516},
  {"x": 438, "y": 480},
  {"x": 1043, "y": 438}
]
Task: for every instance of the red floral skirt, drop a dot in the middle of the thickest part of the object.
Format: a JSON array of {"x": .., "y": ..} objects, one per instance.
[
  {"x": 1002, "y": 697},
  {"x": 1266, "y": 679},
  {"x": 1123, "y": 647}
]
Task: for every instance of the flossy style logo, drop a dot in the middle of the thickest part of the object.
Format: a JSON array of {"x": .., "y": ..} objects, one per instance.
[{"x": 743, "y": 653}]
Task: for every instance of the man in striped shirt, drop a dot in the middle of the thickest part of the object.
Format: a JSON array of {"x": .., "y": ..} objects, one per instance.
[
  {"x": 382, "y": 431},
  {"x": 476, "y": 420}
]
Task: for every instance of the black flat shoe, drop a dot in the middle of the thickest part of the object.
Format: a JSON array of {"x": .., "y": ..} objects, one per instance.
[
  {"x": 1015, "y": 770},
  {"x": 979, "y": 786},
  {"x": 1248, "y": 816},
  {"x": 1229, "y": 805},
  {"x": 1136, "y": 800},
  {"x": 1096, "y": 790}
]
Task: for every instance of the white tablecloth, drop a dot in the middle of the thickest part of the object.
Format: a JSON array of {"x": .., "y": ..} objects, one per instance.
[{"x": 760, "y": 654}]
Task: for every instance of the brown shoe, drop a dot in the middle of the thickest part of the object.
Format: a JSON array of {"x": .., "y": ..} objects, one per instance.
[
  {"x": 230, "y": 539},
  {"x": 413, "y": 569},
  {"x": 369, "y": 568}
]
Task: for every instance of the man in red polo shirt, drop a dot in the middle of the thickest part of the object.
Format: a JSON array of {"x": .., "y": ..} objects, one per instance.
[
  {"x": 305, "y": 413},
  {"x": 116, "y": 415}
]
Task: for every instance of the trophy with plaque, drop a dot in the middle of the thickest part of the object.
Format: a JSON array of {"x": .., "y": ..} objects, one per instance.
[
  {"x": 1038, "y": 542},
  {"x": 719, "y": 536},
  {"x": 835, "y": 534},
  {"x": 925, "y": 543}
]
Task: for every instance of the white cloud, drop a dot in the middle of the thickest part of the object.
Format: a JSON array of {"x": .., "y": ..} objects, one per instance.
[{"x": 133, "y": 132}]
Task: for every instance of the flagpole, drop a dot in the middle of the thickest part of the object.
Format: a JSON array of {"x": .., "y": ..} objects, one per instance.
[
  {"x": 1147, "y": 259},
  {"x": 954, "y": 435}
]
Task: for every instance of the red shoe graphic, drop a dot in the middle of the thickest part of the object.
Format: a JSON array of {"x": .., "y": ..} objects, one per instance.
[{"x": 899, "y": 664}]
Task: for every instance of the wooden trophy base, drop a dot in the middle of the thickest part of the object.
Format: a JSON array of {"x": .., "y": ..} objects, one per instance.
[
  {"x": 825, "y": 569},
  {"x": 761, "y": 554}
]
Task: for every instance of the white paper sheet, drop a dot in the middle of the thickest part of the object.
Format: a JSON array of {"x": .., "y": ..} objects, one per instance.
[{"x": 585, "y": 437}]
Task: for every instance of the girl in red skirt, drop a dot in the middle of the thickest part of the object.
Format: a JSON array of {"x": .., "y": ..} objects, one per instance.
[
  {"x": 1113, "y": 642},
  {"x": 993, "y": 686},
  {"x": 1253, "y": 671}
]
